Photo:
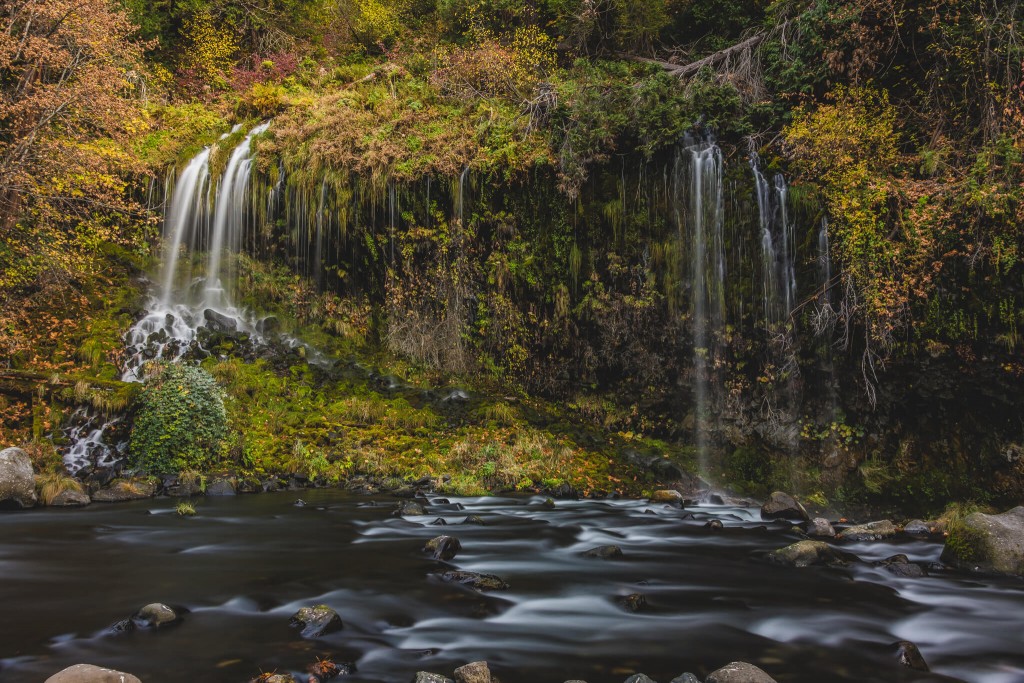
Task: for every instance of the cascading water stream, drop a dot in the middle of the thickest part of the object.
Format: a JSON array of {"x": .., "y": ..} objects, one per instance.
[
  {"x": 778, "y": 245},
  {"x": 700, "y": 214}
]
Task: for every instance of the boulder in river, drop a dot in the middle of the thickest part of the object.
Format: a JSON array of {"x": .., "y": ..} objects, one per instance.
[
  {"x": 806, "y": 554},
  {"x": 988, "y": 543},
  {"x": 900, "y": 565},
  {"x": 639, "y": 678},
  {"x": 427, "y": 677},
  {"x": 316, "y": 621},
  {"x": 443, "y": 547},
  {"x": 872, "y": 531},
  {"x": 685, "y": 678},
  {"x": 17, "y": 482},
  {"x": 821, "y": 528},
  {"x": 410, "y": 508},
  {"x": 221, "y": 486},
  {"x": 667, "y": 496},
  {"x": 634, "y": 602},
  {"x": 604, "y": 552},
  {"x": 155, "y": 615},
  {"x": 476, "y": 581},
  {"x": 474, "y": 672},
  {"x": 88, "y": 673},
  {"x": 739, "y": 672},
  {"x": 126, "y": 489},
  {"x": 918, "y": 527},
  {"x": 911, "y": 657},
  {"x": 783, "y": 506}
]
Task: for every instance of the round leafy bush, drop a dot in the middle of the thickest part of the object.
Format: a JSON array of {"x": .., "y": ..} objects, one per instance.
[{"x": 180, "y": 423}]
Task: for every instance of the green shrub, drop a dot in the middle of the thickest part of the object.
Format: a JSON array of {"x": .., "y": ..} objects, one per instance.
[{"x": 181, "y": 422}]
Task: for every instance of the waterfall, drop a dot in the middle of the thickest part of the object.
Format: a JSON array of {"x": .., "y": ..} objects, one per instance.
[
  {"x": 186, "y": 208},
  {"x": 700, "y": 215},
  {"x": 824, "y": 261},
  {"x": 778, "y": 245}
]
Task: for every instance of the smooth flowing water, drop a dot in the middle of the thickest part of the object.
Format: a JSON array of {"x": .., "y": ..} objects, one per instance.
[{"x": 244, "y": 565}]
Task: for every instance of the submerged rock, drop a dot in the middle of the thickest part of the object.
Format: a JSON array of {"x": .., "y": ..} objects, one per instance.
[
  {"x": 911, "y": 657},
  {"x": 88, "y": 673},
  {"x": 316, "y": 621},
  {"x": 988, "y": 543},
  {"x": 739, "y": 672},
  {"x": 474, "y": 672},
  {"x": 476, "y": 581},
  {"x": 473, "y": 519},
  {"x": 872, "y": 531},
  {"x": 604, "y": 552},
  {"x": 806, "y": 554},
  {"x": 783, "y": 506},
  {"x": 443, "y": 547},
  {"x": 17, "y": 482},
  {"x": 634, "y": 602}
]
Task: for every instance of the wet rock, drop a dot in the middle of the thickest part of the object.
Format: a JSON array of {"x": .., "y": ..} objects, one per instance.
[
  {"x": 218, "y": 322},
  {"x": 70, "y": 498},
  {"x": 325, "y": 669},
  {"x": 604, "y": 552},
  {"x": 686, "y": 678},
  {"x": 821, "y": 528},
  {"x": 473, "y": 519},
  {"x": 806, "y": 554},
  {"x": 548, "y": 504},
  {"x": 87, "y": 673},
  {"x": 221, "y": 486},
  {"x": 900, "y": 565},
  {"x": 268, "y": 325},
  {"x": 474, "y": 672},
  {"x": 634, "y": 602},
  {"x": 443, "y": 547},
  {"x": 440, "y": 521},
  {"x": 17, "y": 482},
  {"x": 639, "y": 678},
  {"x": 427, "y": 677},
  {"x": 155, "y": 615},
  {"x": 910, "y": 657},
  {"x": 274, "y": 678},
  {"x": 783, "y": 506},
  {"x": 714, "y": 525},
  {"x": 316, "y": 621},
  {"x": 123, "y": 490},
  {"x": 739, "y": 672},
  {"x": 917, "y": 527},
  {"x": 410, "y": 508},
  {"x": 872, "y": 531},
  {"x": 476, "y": 581},
  {"x": 667, "y": 496},
  {"x": 988, "y": 543}
]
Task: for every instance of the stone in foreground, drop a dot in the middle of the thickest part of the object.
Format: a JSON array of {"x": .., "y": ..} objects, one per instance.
[
  {"x": 739, "y": 672},
  {"x": 474, "y": 672},
  {"x": 988, "y": 543},
  {"x": 88, "y": 673},
  {"x": 427, "y": 677},
  {"x": 783, "y": 506},
  {"x": 443, "y": 547},
  {"x": 639, "y": 678},
  {"x": 316, "y": 621},
  {"x": 17, "y": 482},
  {"x": 910, "y": 657},
  {"x": 806, "y": 554}
]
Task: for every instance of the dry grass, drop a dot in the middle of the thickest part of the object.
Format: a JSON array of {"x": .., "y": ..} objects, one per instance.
[{"x": 52, "y": 484}]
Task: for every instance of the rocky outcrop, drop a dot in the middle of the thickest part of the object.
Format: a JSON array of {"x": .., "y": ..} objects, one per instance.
[
  {"x": 783, "y": 506},
  {"x": 739, "y": 672},
  {"x": 125, "y": 489},
  {"x": 88, "y": 673},
  {"x": 872, "y": 531},
  {"x": 474, "y": 672},
  {"x": 807, "y": 554},
  {"x": 316, "y": 621},
  {"x": 17, "y": 482},
  {"x": 988, "y": 543}
]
